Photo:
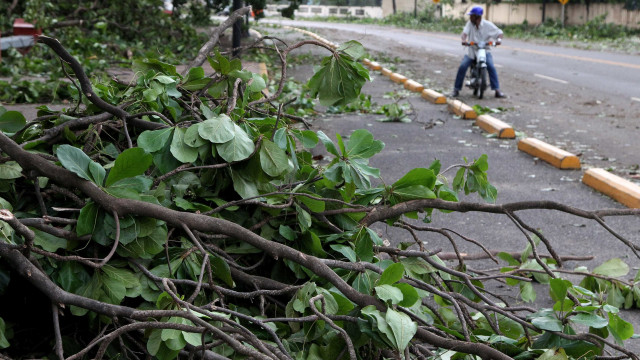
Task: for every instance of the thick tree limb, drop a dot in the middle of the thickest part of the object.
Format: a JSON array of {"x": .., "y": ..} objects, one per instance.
[{"x": 214, "y": 36}]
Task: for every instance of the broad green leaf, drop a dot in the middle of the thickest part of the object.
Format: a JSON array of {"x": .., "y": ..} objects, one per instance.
[
  {"x": 257, "y": 83},
  {"x": 353, "y": 49},
  {"x": 48, "y": 242},
  {"x": 418, "y": 176},
  {"x": 74, "y": 160},
  {"x": 381, "y": 323},
  {"x": 481, "y": 163},
  {"x": 217, "y": 129},
  {"x": 4, "y": 343},
  {"x": 364, "y": 248},
  {"x": 547, "y": 323},
  {"x": 591, "y": 320},
  {"x": 554, "y": 354},
  {"x": 308, "y": 138},
  {"x": 181, "y": 151},
  {"x": 154, "y": 140},
  {"x": 158, "y": 66},
  {"x": 345, "y": 250},
  {"x": 12, "y": 121},
  {"x": 221, "y": 270},
  {"x": 338, "y": 80},
  {"x": 392, "y": 274},
  {"x": 389, "y": 293},
  {"x": 313, "y": 204},
  {"x": 195, "y": 73},
  {"x": 97, "y": 172},
  {"x": 613, "y": 268},
  {"x": 238, "y": 148},
  {"x": 362, "y": 145},
  {"x": 192, "y": 136},
  {"x": 620, "y": 329},
  {"x": 10, "y": 170},
  {"x": 409, "y": 294},
  {"x": 402, "y": 326},
  {"x": 87, "y": 219},
  {"x": 558, "y": 289},
  {"x": 245, "y": 187},
  {"x": 527, "y": 292},
  {"x": 131, "y": 162},
  {"x": 328, "y": 144},
  {"x": 274, "y": 160}
]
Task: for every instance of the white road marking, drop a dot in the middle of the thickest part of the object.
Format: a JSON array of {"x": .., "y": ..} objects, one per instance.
[
  {"x": 551, "y": 79},
  {"x": 635, "y": 99}
]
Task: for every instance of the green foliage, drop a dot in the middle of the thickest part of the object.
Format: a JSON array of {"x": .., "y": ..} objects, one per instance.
[{"x": 253, "y": 179}]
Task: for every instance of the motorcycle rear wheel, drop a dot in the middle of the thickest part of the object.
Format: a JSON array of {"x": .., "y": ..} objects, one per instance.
[{"x": 483, "y": 82}]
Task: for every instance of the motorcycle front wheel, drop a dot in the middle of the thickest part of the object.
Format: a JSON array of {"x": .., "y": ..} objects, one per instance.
[{"x": 483, "y": 82}]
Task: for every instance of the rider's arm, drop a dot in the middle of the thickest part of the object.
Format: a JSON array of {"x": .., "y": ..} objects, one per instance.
[{"x": 464, "y": 38}]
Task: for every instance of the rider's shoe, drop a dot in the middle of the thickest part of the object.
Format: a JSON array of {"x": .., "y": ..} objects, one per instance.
[
  {"x": 454, "y": 93},
  {"x": 500, "y": 94}
]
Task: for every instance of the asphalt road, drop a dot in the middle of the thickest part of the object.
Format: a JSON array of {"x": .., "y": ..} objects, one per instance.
[
  {"x": 435, "y": 133},
  {"x": 606, "y": 73}
]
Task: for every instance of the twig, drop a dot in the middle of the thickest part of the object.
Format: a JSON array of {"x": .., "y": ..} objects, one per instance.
[{"x": 320, "y": 314}]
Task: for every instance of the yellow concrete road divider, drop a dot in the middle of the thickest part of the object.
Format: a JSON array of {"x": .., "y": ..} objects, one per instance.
[
  {"x": 366, "y": 62},
  {"x": 398, "y": 78},
  {"x": 461, "y": 109},
  {"x": 412, "y": 85},
  {"x": 374, "y": 65},
  {"x": 433, "y": 96},
  {"x": 494, "y": 126},
  {"x": 621, "y": 190},
  {"x": 553, "y": 155},
  {"x": 386, "y": 72}
]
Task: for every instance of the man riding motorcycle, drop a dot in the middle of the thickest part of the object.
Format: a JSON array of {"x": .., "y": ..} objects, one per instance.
[{"x": 478, "y": 30}]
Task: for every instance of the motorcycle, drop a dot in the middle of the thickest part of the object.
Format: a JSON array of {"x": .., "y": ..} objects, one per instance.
[{"x": 478, "y": 73}]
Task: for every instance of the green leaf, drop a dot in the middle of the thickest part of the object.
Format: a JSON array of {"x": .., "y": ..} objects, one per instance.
[
  {"x": 4, "y": 343},
  {"x": 402, "y": 326},
  {"x": 419, "y": 176},
  {"x": 591, "y": 320},
  {"x": 409, "y": 294},
  {"x": 353, "y": 49},
  {"x": 392, "y": 274},
  {"x": 458, "y": 180},
  {"x": 620, "y": 329},
  {"x": 338, "y": 80},
  {"x": 157, "y": 66},
  {"x": 221, "y": 270},
  {"x": 181, "y": 151},
  {"x": 362, "y": 145},
  {"x": 74, "y": 160},
  {"x": 238, "y": 148},
  {"x": 345, "y": 250},
  {"x": 381, "y": 323},
  {"x": 549, "y": 323},
  {"x": 558, "y": 289},
  {"x": 192, "y": 136},
  {"x": 257, "y": 84},
  {"x": 313, "y": 204},
  {"x": 10, "y": 170},
  {"x": 48, "y": 242},
  {"x": 195, "y": 73},
  {"x": 12, "y": 122},
  {"x": 87, "y": 219},
  {"x": 389, "y": 293},
  {"x": 217, "y": 129},
  {"x": 131, "y": 162},
  {"x": 527, "y": 292},
  {"x": 613, "y": 268},
  {"x": 481, "y": 163},
  {"x": 274, "y": 160},
  {"x": 97, "y": 172},
  {"x": 154, "y": 140},
  {"x": 554, "y": 354},
  {"x": 328, "y": 144}
]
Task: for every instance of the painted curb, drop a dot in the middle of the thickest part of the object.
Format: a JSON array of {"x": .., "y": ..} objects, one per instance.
[
  {"x": 621, "y": 190},
  {"x": 386, "y": 72},
  {"x": 413, "y": 86},
  {"x": 375, "y": 66},
  {"x": 366, "y": 62},
  {"x": 461, "y": 109},
  {"x": 398, "y": 78},
  {"x": 553, "y": 155},
  {"x": 494, "y": 126},
  {"x": 433, "y": 96}
]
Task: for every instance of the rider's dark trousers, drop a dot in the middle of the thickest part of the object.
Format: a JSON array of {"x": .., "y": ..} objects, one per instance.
[{"x": 464, "y": 65}]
